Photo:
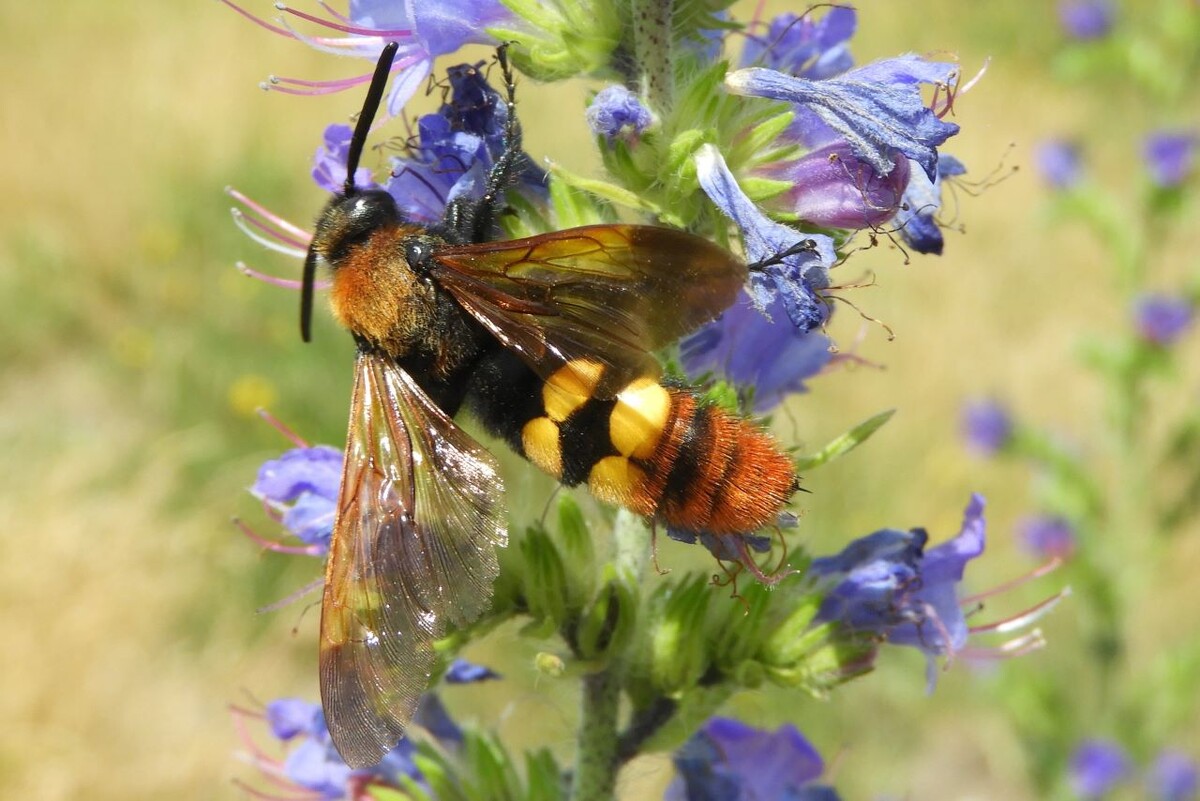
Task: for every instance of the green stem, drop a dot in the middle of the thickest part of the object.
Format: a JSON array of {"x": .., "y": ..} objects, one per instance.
[
  {"x": 596, "y": 746},
  {"x": 652, "y": 50}
]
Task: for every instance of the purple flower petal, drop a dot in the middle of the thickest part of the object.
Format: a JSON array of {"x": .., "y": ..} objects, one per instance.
[
  {"x": 1086, "y": 19},
  {"x": 1174, "y": 776},
  {"x": 834, "y": 188},
  {"x": 751, "y": 350},
  {"x": 316, "y": 470},
  {"x": 289, "y": 717},
  {"x": 1059, "y": 163},
  {"x": 617, "y": 113},
  {"x": 1170, "y": 155},
  {"x": 798, "y": 277},
  {"x": 804, "y": 46},
  {"x": 463, "y": 672},
  {"x": 728, "y": 759},
  {"x": 1097, "y": 766},
  {"x": 1163, "y": 319},
  {"x": 1048, "y": 536},
  {"x": 329, "y": 163},
  {"x": 987, "y": 427}
]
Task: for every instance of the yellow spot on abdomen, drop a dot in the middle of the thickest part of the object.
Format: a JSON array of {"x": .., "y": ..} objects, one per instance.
[
  {"x": 639, "y": 417},
  {"x": 570, "y": 387},
  {"x": 539, "y": 437},
  {"x": 616, "y": 480}
]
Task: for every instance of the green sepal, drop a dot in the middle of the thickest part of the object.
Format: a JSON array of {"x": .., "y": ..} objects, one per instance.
[
  {"x": 614, "y": 194},
  {"x": 792, "y": 638},
  {"x": 546, "y": 592},
  {"x": 739, "y": 632},
  {"x": 561, "y": 39},
  {"x": 677, "y": 649},
  {"x": 574, "y": 207},
  {"x": 759, "y": 189},
  {"x": 608, "y": 623},
  {"x": 577, "y": 552},
  {"x": 762, "y": 138},
  {"x": 847, "y": 442},
  {"x": 543, "y": 777},
  {"x": 680, "y": 161}
]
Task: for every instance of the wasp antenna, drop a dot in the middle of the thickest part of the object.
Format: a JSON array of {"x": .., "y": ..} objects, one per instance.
[
  {"x": 306, "y": 295},
  {"x": 383, "y": 69},
  {"x": 803, "y": 246}
]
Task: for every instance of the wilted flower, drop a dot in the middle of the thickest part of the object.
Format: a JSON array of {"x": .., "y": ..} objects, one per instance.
[
  {"x": 916, "y": 218},
  {"x": 1059, "y": 163},
  {"x": 1097, "y": 766},
  {"x": 728, "y": 760},
  {"x": 1174, "y": 776},
  {"x": 1086, "y": 19},
  {"x": 617, "y": 113},
  {"x": 1162, "y": 319},
  {"x": 987, "y": 426},
  {"x": 1169, "y": 156}
]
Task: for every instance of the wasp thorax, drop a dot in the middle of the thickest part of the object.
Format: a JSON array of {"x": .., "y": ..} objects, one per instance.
[{"x": 376, "y": 294}]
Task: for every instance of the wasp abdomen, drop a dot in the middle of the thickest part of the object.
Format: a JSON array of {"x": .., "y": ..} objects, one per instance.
[{"x": 659, "y": 452}]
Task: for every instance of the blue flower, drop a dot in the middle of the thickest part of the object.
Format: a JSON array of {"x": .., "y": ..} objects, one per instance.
[
  {"x": 1097, "y": 766},
  {"x": 1169, "y": 156},
  {"x": 987, "y": 427},
  {"x": 303, "y": 485},
  {"x": 832, "y": 187},
  {"x": 876, "y": 108},
  {"x": 1174, "y": 777},
  {"x": 463, "y": 672},
  {"x": 804, "y": 46},
  {"x": 423, "y": 30},
  {"x": 796, "y": 279},
  {"x": 1086, "y": 19},
  {"x": 617, "y": 113},
  {"x": 730, "y": 761},
  {"x": 1059, "y": 163},
  {"x": 456, "y": 147},
  {"x": 1048, "y": 536},
  {"x": 329, "y": 164},
  {"x": 922, "y": 198},
  {"x": 767, "y": 356},
  {"x": 1162, "y": 319},
  {"x": 888, "y": 583}
]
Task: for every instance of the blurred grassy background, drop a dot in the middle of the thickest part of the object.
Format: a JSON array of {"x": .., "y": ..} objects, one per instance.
[{"x": 134, "y": 355}]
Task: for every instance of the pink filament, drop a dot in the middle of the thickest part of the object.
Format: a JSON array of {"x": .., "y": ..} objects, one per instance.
[{"x": 397, "y": 32}]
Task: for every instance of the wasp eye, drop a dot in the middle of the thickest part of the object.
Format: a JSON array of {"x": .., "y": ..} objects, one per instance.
[{"x": 416, "y": 253}]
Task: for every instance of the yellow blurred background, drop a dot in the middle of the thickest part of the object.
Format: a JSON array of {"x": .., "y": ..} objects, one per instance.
[{"x": 134, "y": 354}]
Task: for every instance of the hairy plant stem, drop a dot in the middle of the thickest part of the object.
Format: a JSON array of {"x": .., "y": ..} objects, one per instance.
[
  {"x": 596, "y": 744},
  {"x": 652, "y": 50}
]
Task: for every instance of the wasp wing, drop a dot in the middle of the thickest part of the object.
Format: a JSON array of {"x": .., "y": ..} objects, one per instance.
[
  {"x": 419, "y": 518},
  {"x": 613, "y": 293}
]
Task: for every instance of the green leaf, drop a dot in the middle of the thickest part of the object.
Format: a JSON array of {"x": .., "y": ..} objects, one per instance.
[
  {"x": 543, "y": 777},
  {"x": 846, "y": 442}
]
